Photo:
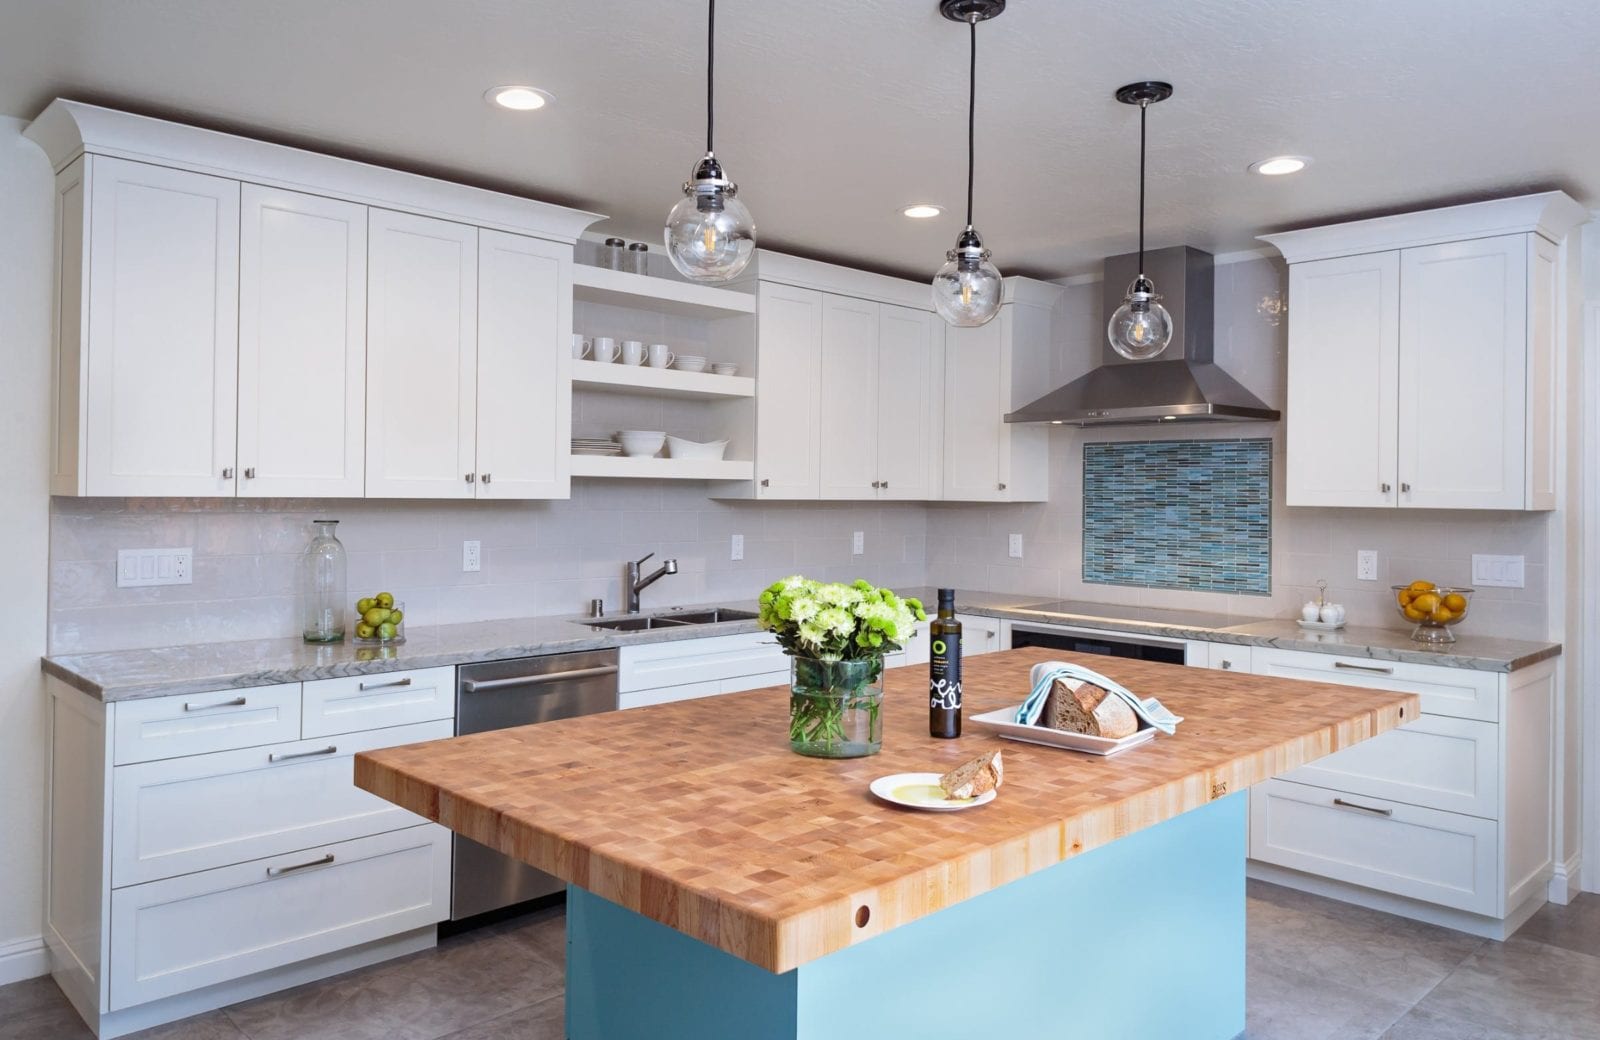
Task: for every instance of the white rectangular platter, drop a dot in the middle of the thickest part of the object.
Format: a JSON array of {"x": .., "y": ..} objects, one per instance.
[{"x": 1004, "y": 723}]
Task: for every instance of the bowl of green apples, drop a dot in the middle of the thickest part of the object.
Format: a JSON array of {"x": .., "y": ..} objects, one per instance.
[{"x": 380, "y": 620}]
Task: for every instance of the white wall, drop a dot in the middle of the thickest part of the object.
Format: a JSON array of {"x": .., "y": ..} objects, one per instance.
[{"x": 26, "y": 195}]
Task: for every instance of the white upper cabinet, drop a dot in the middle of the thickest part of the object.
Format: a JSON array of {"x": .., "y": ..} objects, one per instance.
[
  {"x": 524, "y": 404},
  {"x": 989, "y": 371},
  {"x": 422, "y": 356},
  {"x": 1426, "y": 354},
  {"x": 161, "y": 341},
  {"x": 848, "y": 402},
  {"x": 1344, "y": 345},
  {"x": 788, "y": 385},
  {"x": 910, "y": 403},
  {"x": 302, "y": 345}
]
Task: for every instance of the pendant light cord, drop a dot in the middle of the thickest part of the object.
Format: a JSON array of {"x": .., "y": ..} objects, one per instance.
[
  {"x": 1144, "y": 106},
  {"x": 972, "y": 109},
  {"x": 711, "y": 65}
]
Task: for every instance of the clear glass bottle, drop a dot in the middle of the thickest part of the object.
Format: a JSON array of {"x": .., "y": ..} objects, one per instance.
[{"x": 323, "y": 585}]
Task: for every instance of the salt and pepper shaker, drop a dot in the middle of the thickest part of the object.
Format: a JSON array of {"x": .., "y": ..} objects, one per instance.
[
  {"x": 639, "y": 258},
  {"x": 612, "y": 254}
]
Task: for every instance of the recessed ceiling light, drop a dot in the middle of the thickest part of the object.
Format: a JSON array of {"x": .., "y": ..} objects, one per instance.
[
  {"x": 1279, "y": 165},
  {"x": 518, "y": 98},
  {"x": 922, "y": 211}
]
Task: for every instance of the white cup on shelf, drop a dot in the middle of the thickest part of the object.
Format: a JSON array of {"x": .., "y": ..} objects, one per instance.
[
  {"x": 605, "y": 349},
  {"x": 580, "y": 346},
  {"x": 632, "y": 351},
  {"x": 661, "y": 356}
]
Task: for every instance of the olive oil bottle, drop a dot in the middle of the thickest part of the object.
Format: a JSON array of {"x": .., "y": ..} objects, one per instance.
[{"x": 944, "y": 670}]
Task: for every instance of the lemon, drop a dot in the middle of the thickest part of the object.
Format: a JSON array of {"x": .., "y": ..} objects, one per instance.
[
  {"x": 1406, "y": 596},
  {"x": 1422, "y": 586},
  {"x": 1428, "y": 602},
  {"x": 1441, "y": 616},
  {"x": 1456, "y": 602},
  {"x": 1414, "y": 614}
]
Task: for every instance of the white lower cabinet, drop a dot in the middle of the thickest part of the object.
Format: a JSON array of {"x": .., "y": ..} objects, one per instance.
[
  {"x": 980, "y": 634},
  {"x": 172, "y": 936},
  {"x": 661, "y": 673}
]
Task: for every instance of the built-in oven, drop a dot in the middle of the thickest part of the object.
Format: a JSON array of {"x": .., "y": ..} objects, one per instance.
[
  {"x": 1091, "y": 641},
  {"x": 520, "y": 692}
]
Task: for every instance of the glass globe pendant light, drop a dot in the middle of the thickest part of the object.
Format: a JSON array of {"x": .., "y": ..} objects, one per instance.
[
  {"x": 710, "y": 235},
  {"x": 1141, "y": 328},
  {"x": 966, "y": 290}
]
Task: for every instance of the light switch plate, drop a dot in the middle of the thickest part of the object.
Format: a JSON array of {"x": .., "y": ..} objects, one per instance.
[
  {"x": 1366, "y": 564},
  {"x": 471, "y": 556},
  {"x": 140, "y": 568},
  {"x": 858, "y": 543},
  {"x": 1015, "y": 548},
  {"x": 1499, "y": 572},
  {"x": 736, "y": 548}
]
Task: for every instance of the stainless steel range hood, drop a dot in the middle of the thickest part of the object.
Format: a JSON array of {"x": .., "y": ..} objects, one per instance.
[{"x": 1179, "y": 385}]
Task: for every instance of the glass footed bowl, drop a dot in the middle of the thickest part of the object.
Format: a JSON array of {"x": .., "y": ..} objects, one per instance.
[{"x": 1434, "y": 611}]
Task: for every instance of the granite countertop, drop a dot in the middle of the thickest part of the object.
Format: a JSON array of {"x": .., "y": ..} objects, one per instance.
[{"x": 131, "y": 674}]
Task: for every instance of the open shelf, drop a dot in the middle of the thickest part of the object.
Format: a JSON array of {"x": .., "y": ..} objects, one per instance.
[
  {"x": 662, "y": 469},
  {"x": 617, "y": 378},
  {"x": 625, "y": 289}
]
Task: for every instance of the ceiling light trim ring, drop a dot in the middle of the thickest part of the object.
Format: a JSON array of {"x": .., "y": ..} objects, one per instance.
[
  {"x": 494, "y": 94},
  {"x": 971, "y": 11}
]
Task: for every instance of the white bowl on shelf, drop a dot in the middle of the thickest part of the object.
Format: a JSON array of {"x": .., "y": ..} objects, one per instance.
[
  {"x": 678, "y": 448},
  {"x": 725, "y": 368},
  {"x": 689, "y": 363},
  {"x": 641, "y": 444}
]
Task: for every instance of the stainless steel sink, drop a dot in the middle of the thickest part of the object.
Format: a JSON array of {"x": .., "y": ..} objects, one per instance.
[
  {"x": 712, "y": 617},
  {"x": 634, "y": 624},
  {"x": 684, "y": 619}
]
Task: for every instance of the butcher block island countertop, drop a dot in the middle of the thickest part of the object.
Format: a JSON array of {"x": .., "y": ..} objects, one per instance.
[{"x": 697, "y": 815}]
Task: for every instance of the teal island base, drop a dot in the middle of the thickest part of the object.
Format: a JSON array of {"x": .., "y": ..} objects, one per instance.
[{"x": 1142, "y": 939}]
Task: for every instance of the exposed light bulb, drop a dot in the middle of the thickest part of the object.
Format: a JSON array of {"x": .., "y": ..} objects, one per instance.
[
  {"x": 966, "y": 290},
  {"x": 1141, "y": 328},
  {"x": 710, "y": 235}
]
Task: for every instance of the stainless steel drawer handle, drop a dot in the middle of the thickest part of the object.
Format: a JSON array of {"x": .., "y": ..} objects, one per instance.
[
  {"x": 1341, "y": 803},
  {"x": 385, "y": 685},
  {"x": 485, "y": 685},
  {"x": 237, "y": 702},
  {"x": 284, "y": 756},
  {"x": 1374, "y": 669},
  {"x": 280, "y": 871}
]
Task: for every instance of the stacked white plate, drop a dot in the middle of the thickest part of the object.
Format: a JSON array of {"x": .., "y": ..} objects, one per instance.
[
  {"x": 595, "y": 446},
  {"x": 689, "y": 363}
]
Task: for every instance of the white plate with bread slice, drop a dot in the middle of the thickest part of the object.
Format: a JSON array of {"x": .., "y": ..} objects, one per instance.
[
  {"x": 973, "y": 783},
  {"x": 1004, "y": 723}
]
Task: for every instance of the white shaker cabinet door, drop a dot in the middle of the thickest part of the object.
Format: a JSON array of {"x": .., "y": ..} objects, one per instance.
[
  {"x": 977, "y": 395},
  {"x": 1344, "y": 356},
  {"x": 163, "y": 277},
  {"x": 524, "y": 367},
  {"x": 302, "y": 345},
  {"x": 910, "y": 379},
  {"x": 789, "y": 363},
  {"x": 848, "y": 402},
  {"x": 422, "y": 351},
  {"x": 1463, "y": 374}
]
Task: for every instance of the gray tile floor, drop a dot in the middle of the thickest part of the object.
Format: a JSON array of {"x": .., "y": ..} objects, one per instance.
[{"x": 1318, "y": 970}]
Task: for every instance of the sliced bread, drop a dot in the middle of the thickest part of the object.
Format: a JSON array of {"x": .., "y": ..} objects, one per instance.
[
  {"x": 973, "y": 778},
  {"x": 1075, "y": 706}
]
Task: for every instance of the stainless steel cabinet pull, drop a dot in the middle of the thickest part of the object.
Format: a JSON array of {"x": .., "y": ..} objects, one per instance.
[
  {"x": 250, "y": 473},
  {"x": 1374, "y": 669},
  {"x": 471, "y": 477},
  {"x": 385, "y": 685},
  {"x": 1227, "y": 665},
  {"x": 1406, "y": 488},
  {"x": 485, "y": 685},
  {"x": 227, "y": 473},
  {"x": 280, "y": 871},
  {"x": 1385, "y": 488},
  {"x": 1000, "y": 487},
  {"x": 766, "y": 483},
  {"x": 1341, "y": 803},
  {"x": 884, "y": 485},
  {"x": 284, "y": 756},
  {"x": 488, "y": 477},
  {"x": 237, "y": 702}
]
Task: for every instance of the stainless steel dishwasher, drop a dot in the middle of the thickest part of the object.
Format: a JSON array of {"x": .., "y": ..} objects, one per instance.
[{"x": 520, "y": 692}]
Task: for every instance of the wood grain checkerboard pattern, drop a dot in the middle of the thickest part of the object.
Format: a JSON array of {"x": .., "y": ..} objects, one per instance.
[{"x": 697, "y": 814}]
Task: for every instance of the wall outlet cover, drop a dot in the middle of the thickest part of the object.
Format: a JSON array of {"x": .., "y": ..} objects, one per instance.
[
  {"x": 471, "y": 556},
  {"x": 1015, "y": 547},
  {"x": 1367, "y": 564},
  {"x": 736, "y": 548},
  {"x": 858, "y": 543},
  {"x": 139, "y": 568}
]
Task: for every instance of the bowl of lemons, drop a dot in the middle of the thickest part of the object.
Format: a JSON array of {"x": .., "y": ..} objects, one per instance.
[
  {"x": 1435, "y": 609},
  {"x": 380, "y": 620}
]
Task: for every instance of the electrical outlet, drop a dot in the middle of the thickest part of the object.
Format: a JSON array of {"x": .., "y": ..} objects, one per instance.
[
  {"x": 471, "y": 556},
  {"x": 858, "y": 543},
  {"x": 1500, "y": 572},
  {"x": 1367, "y": 564},
  {"x": 1015, "y": 548},
  {"x": 736, "y": 548},
  {"x": 138, "y": 568}
]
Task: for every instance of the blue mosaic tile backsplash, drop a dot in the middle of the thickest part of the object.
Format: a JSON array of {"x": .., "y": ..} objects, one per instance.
[{"x": 1179, "y": 515}]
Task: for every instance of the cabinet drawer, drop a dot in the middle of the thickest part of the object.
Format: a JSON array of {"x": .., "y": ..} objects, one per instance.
[
  {"x": 1438, "y": 857},
  {"x": 669, "y": 694},
  {"x": 166, "y": 727},
  {"x": 760, "y": 682},
  {"x": 684, "y": 661},
  {"x": 1229, "y": 657},
  {"x": 1436, "y": 761},
  {"x": 979, "y": 634},
  {"x": 181, "y": 815},
  {"x": 197, "y": 930},
  {"x": 1459, "y": 692},
  {"x": 357, "y": 702}
]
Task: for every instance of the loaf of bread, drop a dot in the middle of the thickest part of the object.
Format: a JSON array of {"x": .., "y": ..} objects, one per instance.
[
  {"x": 973, "y": 778},
  {"x": 1075, "y": 706}
]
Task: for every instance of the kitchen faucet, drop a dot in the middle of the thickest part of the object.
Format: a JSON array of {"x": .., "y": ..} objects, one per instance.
[{"x": 635, "y": 584}]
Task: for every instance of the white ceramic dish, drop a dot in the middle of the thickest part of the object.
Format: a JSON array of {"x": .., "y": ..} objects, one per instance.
[
  {"x": 1320, "y": 626},
  {"x": 638, "y": 444},
  {"x": 1004, "y": 723},
  {"x": 690, "y": 364},
  {"x": 678, "y": 448},
  {"x": 922, "y": 791},
  {"x": 725, "y": 368}
]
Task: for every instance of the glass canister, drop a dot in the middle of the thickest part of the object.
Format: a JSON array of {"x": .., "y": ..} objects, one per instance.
[
  {"x": 639, "y": 258},
  {"x": 613, "y": 254},
  {"x": 322, "y": 585}
]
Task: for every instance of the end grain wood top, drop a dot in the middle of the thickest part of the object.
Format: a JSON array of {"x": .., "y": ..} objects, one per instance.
[{"x": 697, "y": 814}]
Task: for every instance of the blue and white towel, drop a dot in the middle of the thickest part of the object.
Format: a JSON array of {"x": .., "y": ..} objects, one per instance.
[{"x": 1044, "y": 675}]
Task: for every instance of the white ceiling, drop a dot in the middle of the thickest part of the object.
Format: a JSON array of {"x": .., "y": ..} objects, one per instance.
[{"x": 834, "y": 113}]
